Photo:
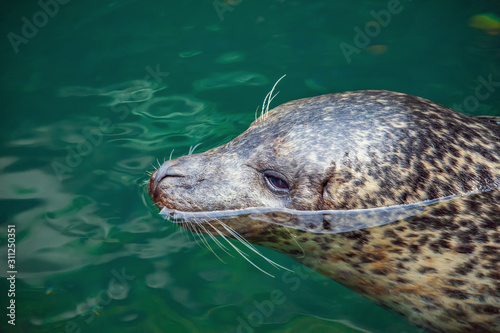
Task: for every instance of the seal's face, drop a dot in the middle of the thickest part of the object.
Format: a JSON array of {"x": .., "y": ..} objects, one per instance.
[
  {"x": 253, "y": 170},
  {"x": 342, "y": 151}
]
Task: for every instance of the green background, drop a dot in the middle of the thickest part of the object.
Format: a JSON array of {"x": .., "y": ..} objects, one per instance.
[{"x": 80, "y": 128}]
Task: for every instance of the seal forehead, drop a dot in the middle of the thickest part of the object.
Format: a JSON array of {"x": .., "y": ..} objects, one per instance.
[{"x": 334, "y": 124}]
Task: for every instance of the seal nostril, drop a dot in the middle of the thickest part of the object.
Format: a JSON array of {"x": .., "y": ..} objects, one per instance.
[{"x": 164, "y": 171}]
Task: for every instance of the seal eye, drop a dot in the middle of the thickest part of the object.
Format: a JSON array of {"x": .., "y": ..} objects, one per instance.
[
  {"x": 278, "y": 183},
  {"x": 275, "y": 182}
]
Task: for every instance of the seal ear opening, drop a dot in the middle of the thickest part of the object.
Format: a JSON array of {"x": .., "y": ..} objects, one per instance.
[
  {"x": 337, "y": 194},
  {"x": 328, "y": 197}
]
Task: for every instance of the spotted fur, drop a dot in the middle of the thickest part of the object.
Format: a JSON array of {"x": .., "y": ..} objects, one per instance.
[{"x": 361, "y": 150}]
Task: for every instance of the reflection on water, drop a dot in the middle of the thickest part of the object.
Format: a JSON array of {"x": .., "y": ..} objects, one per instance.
[
  {"x": 230, "y": 57},
  {"x": 135, "y": 91},
  {"x": 232, "y": 79},
  {"x": 63, "y": 224},
  {"x": 138, "y": 120},
  {"x": 164, "y": 108}
]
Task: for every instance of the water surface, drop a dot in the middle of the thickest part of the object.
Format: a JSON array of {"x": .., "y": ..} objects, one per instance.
[{"x": 98, "y": 92}]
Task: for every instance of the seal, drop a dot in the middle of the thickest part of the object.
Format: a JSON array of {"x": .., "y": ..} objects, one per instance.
[{"x": 356, "y": 152}]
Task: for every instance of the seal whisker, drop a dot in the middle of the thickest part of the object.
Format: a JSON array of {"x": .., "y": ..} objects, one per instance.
[
  {"x": 205, "y": 242},
  {"x": 222, "y": 246},
  {"x": 191, "y": 149},
  {"x": 298, "y": 244},
  {"x": 171, "y": 153},
  {"x": 269, "y": 101},
  {"x": 256, "y": 110},
  {"x": 242, "y": 253},
  {"x": 202, "y": 239},
  {"x": 193, "y": 227},
  {"x": 269, "y": 97},
  {"x": 153, "y": 166},
  {"x": 185, "y": 232},
  {"x": 250, "y": 246},
  {"x": 199, "y": 224},
  {"x": 197, "y": 235}
]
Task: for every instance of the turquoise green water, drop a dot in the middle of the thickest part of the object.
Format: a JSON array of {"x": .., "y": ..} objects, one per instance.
[{"x": 94, "y": 93}]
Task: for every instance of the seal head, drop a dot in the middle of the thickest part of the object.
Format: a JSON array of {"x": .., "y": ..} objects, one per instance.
[{"x": 349, "y": 150}]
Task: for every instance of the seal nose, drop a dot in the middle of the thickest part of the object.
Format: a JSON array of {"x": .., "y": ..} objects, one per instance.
[{"x": 164, "y": 171}]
